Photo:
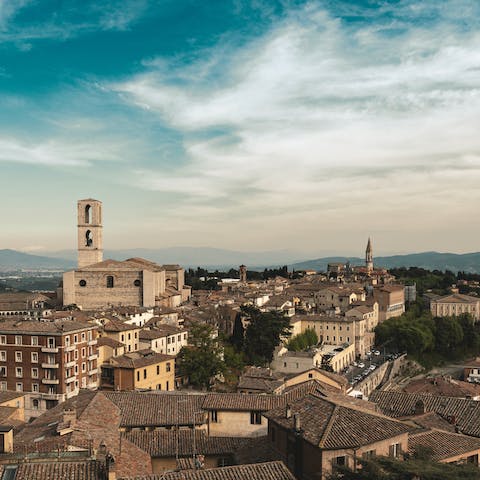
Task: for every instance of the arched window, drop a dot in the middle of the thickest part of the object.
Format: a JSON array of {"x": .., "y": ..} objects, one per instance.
[
  {"x": 88, "y": 214},
  {"x": 88, "y": 238},
  {"x": 110, "y": 281}
]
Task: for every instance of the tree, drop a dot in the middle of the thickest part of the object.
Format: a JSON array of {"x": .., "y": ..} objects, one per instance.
[
  {"x": 303, "y": 341},
  {"x": 263, "y": 334},
  {"x": 202, "y": 360}
]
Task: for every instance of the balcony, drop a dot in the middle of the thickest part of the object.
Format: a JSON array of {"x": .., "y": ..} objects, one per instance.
[
  {"x": 92, "y": 342},
  {"x": 93, "y": 372},
  {"x": 50, "y": 365},
  {"x": 52, "y": 396},
  {"x": 73, "y": 393},
  {"x": 50, "y": 381},
  {"x": 49, "y": 349},
  {"x": 92, "y": 357},
  {"x": 70, "y": 379},
  {"x": 70, "y": 348},
  {"x": 70, "y": 364}
]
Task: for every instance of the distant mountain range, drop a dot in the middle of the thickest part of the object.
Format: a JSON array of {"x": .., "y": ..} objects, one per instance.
[
  {"x": 14, "y": 260},
  {"x": 213, "y": 258},
  {"x": 468, "y": 262}
]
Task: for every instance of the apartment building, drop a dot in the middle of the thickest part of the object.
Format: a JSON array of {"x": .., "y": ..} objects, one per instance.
[
  {"x": 391, "y": 301},
  {"x": 164, "y": 339},
  {"x": 49, "y": 360}
]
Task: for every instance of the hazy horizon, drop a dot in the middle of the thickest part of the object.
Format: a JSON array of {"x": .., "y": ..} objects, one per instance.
[{"x": 256, "y": 126}]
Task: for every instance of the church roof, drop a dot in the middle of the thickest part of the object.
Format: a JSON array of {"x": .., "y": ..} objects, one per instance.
[{"x": 130, "y": 264}]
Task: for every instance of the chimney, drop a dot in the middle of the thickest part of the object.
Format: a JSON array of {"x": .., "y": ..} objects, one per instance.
[
  {"x": 70, "y": 416},
  {"x": 296, "y": 422},
  {"x": 288, "y": 412}
]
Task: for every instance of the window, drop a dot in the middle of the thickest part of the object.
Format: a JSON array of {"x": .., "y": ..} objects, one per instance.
[
  {"x": 137, "y": 283},
  {"x": 67, "y": 341},
  {"x": 368, "y": 454},
  {"x": 138, "y": 376},
  {"x": 84, "y": 367},
  {"x": 18, "y": 356},
  {"x": 340, "y": 461},
  {"x": 75, "y": 369},
  {"x": 3, "y": 386},
  {"x": 34, "y": 357},
  {"x": 214, "y": 416},
  {"x": 3, "y": 371},
  {"x": 19, "y": 387},
  {"x": 83, "y": 336},
  {"x": 255, "y": 418},
  {"x": 75, "y": 355},
  {"x": 123, "y": 337},
  {"x": 110, "y": 281},
  {"x": 82, "y": 283},
  {"x": 168, "y": 367},
  {"x": 3, "y": 356},
  {"x": 34, "y": 372},
  {"x": 3, "y": 339},
  {"x": 35, "y": 404},
  {"x": 19, "y": 372},
  {"x": 35, "y": 387},
  {"x": 158, "y": 369},
  {"x": 51, "y": 342},
  {"x": 394, "y": 450},
  {"x": 75, "y": 338},
  {"x": 18, "y": 339},
  {"x": 129, "y": 336},
  {"x": 34, "y": 341},
  {"x": 144, "y": 373},
  {"x": 83, "y": 352}
]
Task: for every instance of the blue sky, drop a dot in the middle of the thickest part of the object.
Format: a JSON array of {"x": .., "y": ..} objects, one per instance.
[{"x": 306, "y": 125}]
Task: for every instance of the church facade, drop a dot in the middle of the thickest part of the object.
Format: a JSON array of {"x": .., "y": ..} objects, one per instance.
[{"x": 98, "y": 283}]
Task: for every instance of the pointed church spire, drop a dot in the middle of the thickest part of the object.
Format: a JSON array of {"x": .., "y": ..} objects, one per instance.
[{"x": 369, "y": 256}]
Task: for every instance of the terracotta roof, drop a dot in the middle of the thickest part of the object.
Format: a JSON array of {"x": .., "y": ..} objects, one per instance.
[
  {"x": 160, "y": 332},
  {"x": 110, "y": 342},
  {"x": 456, "y": 298},
  {"x": 331, "y": 425},
  {"x": 8, "y": 395},
  {"x": 444, "y": 387},
  {"x": 465, "y": 412},
  {"x": 432, "y": 420},
  {"x": 156, "y": 409},
  {"x": 59, "y": 470},
  {"x": 114, "y": 324},
  {"x": 259, "y": 402},
  {"x": 57, "y": 327},
  {"x": 139, "y": 359},
  {"x": 163, "y": 443},
  {"x": 444, "y": 445},
  {"x": 256, "y": 471}
]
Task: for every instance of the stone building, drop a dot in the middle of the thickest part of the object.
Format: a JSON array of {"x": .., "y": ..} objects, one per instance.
[
  {"x": 454, "y": 305},
  {"x": 98, "y": 283}
]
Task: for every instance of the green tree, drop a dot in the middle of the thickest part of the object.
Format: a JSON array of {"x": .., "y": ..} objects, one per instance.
[
  {"x": 202, "y": 359},
  {"x": 448, "y": 336},
  {"x": 303, "y": 341},
  {"x": 263, "y": 334}
]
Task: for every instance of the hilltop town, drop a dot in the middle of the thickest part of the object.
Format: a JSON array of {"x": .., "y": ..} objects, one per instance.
[{"x": 136, "y": 370}]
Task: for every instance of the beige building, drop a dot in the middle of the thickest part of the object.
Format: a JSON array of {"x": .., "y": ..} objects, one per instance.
[
  {"x": 455, "y": 305},
  {"x": 164, "y": 339},
  {"x": 391, "y": 301},
  {"x": 315, "y": 434},
  {"x": 142, "y": 370},
  {"x": 122, "y": 332},
  {"x": 338, "y": 297},
  {"x": 336, "y": 357},
  {"x": 101, "y": 283}
]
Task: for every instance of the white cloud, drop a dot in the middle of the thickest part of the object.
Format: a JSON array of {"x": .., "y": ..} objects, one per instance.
[{"x": 55, "y": 153}]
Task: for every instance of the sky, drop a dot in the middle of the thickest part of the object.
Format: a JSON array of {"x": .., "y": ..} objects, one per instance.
[{"x": 248, "y": 125}]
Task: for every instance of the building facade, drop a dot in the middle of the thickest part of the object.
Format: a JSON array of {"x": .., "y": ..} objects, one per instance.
[{"x": 49, "y": 360}]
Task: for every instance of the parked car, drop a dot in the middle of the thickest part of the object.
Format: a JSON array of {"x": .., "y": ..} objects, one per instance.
[
  {"x": 361, "y": 365},
  {"x": 376, "y": 352}
]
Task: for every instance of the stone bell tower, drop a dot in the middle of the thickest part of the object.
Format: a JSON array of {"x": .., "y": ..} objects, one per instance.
[{"x": 90, "y": 237}]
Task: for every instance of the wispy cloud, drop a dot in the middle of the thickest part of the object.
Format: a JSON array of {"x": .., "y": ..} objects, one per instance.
[
  {"x": 315, "y": 97},
  {"x": 72, "y": 19}
]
